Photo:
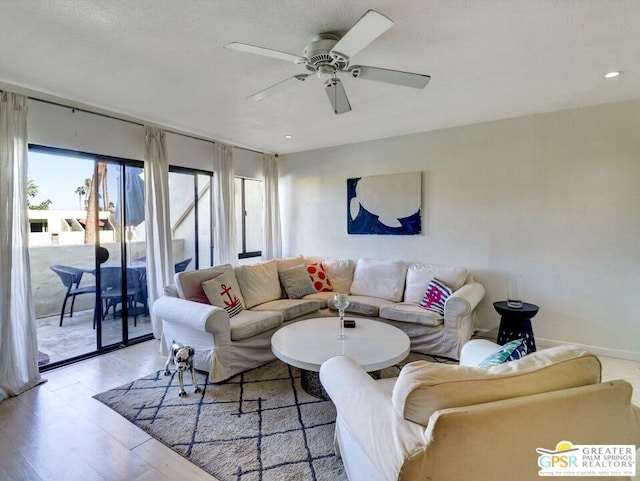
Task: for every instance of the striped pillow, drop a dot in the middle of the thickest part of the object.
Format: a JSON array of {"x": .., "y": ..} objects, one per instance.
[{"x": 436, "y": 295}]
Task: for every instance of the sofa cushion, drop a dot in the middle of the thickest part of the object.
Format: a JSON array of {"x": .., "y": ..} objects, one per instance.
[
  {"x": 319, "y": 277},
  {"x": 419, "y": 276},
  {"x": 340, "y": 272},
  {"x": 296, "y": 282},
  {"x": 379, "y": 278},
  {"x": 248, "y": 323},
  {"x": 289, "y": 262},
  {"x": 322, "y": 297},
  {"x": 290, "y": 308},
  {"x": 223, "y": 291},
  {"x": 410, "y": 312},
  {"x": 510, "y": 351},
  {"x": 362, "y": 305},
  {"x": 435, "y": 296},
  {"x": 258, "y": 283},
  {"x": 189, "y": 283},
  {"x": 423, "y": 388}
]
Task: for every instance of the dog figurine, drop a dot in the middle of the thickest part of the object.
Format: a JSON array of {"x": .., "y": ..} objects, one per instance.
[{"x": 182, "y": 357}]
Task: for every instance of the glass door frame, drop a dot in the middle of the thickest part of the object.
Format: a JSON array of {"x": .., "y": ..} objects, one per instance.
[{"x": 124, "y": 341}]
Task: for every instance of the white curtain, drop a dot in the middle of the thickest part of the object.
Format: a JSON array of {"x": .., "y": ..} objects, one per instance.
[
  {"x": 18, "y": 335},
  {"x": 160, "y": 268},
  {"x": 271, "y": 231},
  {"x": 225, "y": 248}
]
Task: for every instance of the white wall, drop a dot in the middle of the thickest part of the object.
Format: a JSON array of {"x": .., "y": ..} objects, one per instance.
[
  {"x": 552, "y": 197},
  {"x": 65, "y": 128}
]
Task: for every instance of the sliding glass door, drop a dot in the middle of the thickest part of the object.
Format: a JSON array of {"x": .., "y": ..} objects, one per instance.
[
  {"x": 87, "y": 250},
  {"x": 122, "y": 278}
]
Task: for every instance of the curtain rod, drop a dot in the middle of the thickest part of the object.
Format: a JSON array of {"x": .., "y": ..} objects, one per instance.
[{"x": 100, "y": 114}]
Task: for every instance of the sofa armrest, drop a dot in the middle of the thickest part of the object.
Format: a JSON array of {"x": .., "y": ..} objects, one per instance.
[
  {"x": 364, "y": 408},
  {"x": 461, "y": 304},
  {"x": 477, "y": 350},
  {"x": 194, "y": 315}
]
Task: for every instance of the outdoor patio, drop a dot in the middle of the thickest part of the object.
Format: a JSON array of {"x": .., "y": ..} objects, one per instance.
[{"x": 76, "y": 336}]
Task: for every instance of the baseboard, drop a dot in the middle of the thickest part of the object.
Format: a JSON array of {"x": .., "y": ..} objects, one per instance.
[
  {"x": 597, "y": 350},
  {"x": 491, "y": 335}
]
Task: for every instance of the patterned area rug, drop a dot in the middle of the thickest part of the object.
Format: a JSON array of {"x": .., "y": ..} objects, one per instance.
[{"x": 259, "y": 425}]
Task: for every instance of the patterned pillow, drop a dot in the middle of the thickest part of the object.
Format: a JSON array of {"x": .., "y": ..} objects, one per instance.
[
  {"x": 296, "y": 282},
  {"x": 436, "y": 295},
  {"x": 223, "y": 291},
  {"x": 319, "y": 277},
  {"x": 509, "y": 352}
]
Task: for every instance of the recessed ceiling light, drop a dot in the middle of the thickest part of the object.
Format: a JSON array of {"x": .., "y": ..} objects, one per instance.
[
  {"x": 612, "y": 74},
  {"x": 288, "y": 136}
]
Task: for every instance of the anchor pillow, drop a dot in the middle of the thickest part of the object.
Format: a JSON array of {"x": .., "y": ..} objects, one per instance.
[
  {"x": 223, "y": 291},
  {"x": 435, "y": 296}
]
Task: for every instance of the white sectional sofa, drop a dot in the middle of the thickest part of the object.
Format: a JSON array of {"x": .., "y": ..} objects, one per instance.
[
  {"x": 391, "y": 291},
  {"x": 231, "y": 339}
]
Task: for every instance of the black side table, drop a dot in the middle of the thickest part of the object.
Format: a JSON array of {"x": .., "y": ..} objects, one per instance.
[{"x": 515, "y": 323}]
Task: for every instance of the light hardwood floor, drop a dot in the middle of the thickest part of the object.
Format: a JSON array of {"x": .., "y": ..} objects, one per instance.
[{"x": 57, "y": 431}]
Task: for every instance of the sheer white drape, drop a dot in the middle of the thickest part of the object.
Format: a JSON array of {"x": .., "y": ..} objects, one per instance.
[
  {"x": 271, "y": 231},
  {"x": 160, "y": 268},
  {"x": 225, "y": 249},
  {"x": 18, "y": 335}
]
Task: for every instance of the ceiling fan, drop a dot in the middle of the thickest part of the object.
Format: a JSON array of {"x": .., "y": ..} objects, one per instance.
[{"x": 327, "y": 55}]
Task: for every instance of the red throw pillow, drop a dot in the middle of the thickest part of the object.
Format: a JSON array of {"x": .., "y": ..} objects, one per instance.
[{"x": 319, "y": 277}]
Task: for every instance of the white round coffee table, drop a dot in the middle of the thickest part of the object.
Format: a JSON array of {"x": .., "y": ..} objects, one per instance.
[{"x": 306, "y": 344}]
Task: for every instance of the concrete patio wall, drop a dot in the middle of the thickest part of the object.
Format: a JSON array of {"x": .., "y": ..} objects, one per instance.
[{"x": 48, "y": 290}]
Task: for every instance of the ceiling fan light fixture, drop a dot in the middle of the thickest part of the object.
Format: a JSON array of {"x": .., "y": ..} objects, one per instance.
[{"x": 327, "y": 55}]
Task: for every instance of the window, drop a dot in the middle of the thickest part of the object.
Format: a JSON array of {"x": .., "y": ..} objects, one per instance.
[
  {"x": 190, "y": 208},
  {"x": 248, "y": 217},
  {"x": 38, "y": 225}
]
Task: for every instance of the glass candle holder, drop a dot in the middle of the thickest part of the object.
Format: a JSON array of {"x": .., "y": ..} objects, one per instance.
[{"x": 341, "y": 301}]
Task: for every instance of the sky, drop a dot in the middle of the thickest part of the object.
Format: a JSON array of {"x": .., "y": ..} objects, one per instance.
[{"x": 58, "y": 177}]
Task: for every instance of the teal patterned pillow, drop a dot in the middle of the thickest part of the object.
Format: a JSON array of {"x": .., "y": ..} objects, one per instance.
[{"x": 510, "y": 351}]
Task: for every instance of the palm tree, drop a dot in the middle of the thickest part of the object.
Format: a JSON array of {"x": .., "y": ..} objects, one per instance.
[
  {"x": 43, "y": 205},
  {"x": 32, "y": 190},
  {"x": 87, "y": 190},
  {"x": 80, "y": 191}
]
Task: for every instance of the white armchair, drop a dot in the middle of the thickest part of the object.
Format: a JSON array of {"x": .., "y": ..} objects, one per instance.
[{"x": 449, "y": 422}]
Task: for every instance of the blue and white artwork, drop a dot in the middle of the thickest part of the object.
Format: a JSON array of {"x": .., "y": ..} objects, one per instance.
[{"x": 385, "y": 204}]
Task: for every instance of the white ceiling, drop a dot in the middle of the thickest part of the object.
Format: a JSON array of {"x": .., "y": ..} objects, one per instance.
[{"x": 163, "y": 61}]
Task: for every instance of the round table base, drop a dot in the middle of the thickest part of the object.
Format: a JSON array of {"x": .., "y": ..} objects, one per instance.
[{"x": 310, "y": 381}]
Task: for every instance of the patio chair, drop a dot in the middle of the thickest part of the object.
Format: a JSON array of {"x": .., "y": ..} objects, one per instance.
[
  {"x": 182, "y": 265},
  {"x": 111, "y": 285},
  {"x": 71, "y": 278}
]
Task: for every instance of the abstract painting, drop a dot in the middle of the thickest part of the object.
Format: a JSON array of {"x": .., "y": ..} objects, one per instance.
[{"x": 385, "y": 204}]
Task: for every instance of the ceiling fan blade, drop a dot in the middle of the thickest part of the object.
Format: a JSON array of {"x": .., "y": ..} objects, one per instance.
[
  {"x": 279, "y": 87},
  {"x": 369, "y": 27},
  {"x": 406, "y": 79},
  {"x": 337, "y": 96},
  {"x": 266, "y": 52}
]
